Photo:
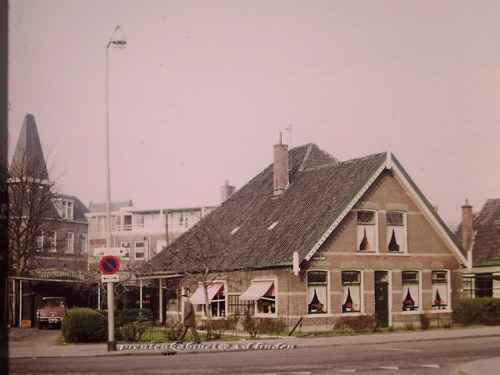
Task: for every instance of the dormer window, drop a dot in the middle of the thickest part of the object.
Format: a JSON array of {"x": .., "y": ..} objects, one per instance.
[
  {"x": 272, "y": 225},
  {"x": 64, "y": 208},
  {"x": 366, "y": 231}
]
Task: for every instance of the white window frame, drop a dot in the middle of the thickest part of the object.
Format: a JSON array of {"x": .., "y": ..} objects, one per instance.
[
  {"x": 138, "y": 220},
  {"x": 328, "y": 299},
  {"x": 69, "y": 242},
  {"x": 361, "y": 293},
  {"x": 376, "y": 239},
  {"x": 257, "y": 314},
  {"x": 126, "y": 227},
  {"x": 53, "y": 245},
  {"x": 448, "y": 280},
  {"x": 200, "y": 309},
  {"x": 83, "y": 242},
  {"x": 68, "y": 207},
  {"x": 143, "y": 250},
  {"x": 420, "y": 301},
  {"x": 405, "y": 225}
]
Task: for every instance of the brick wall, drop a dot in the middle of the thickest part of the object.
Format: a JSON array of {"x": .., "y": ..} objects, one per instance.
[{"x": 426, "y": 252}]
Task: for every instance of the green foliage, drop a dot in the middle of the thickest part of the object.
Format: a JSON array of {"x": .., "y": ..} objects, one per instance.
[
  {"x": 127, "y": 316},
  {"x": 84, "y": 325},
  {"x": 477, "y": 311},
  {"x": 270, "y": 326},
  {"x": 263, "y": 326},
  {"x": 356, "y": 323},
  {"x": 173, "y": 329},
  {"x": 133, "y": 332},
  {"x": 250, "y": 325}
]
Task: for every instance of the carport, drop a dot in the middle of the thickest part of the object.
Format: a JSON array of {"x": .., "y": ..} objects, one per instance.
[{"x": 25, "y": 293}]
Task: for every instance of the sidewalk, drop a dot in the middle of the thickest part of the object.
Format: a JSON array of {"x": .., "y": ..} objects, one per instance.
[{"x": 48, "y": 346}]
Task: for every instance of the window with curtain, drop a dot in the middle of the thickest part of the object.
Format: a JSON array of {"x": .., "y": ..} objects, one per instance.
[
  {"x": 439, "y": 290},
  {"x": 366, "y": 231},
  {"x": 351, "y": 285},
  {"x": 411, "y": 291},
  {"x": 396, "y": 232},
  {"x": 317, "y": 292}
]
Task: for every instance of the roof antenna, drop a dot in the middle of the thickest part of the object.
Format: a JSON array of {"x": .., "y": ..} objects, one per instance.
[{"x": 281, "y": 138}]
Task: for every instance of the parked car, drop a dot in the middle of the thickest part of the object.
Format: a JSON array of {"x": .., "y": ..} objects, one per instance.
[{"x": 51, "y": 312}]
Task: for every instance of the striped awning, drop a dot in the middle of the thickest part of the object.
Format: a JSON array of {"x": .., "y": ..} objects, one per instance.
[
  {"x": 198, "y": 298},
  {"x": 257, "y": 290}
]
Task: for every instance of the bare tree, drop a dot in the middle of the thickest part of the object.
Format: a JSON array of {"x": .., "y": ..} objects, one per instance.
[{"x": 31, "y": 214}]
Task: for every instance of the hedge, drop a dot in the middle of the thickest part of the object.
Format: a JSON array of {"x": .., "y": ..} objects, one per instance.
[
  {"x": 127, "y": 316},
  {"x": 477, "y": 311},
  {"x": 84, "y": 325}
]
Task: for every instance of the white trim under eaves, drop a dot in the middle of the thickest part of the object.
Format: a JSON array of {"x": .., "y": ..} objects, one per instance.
[
  {"x": 389, "y": 164},
  {"x": 349, "y": 207},
  {"x": 429, "y": 216}
]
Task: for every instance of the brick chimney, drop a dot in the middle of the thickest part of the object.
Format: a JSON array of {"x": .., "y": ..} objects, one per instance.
[
  {"x": 280, "y": 168},
  {"x": 467, "y": 225}
]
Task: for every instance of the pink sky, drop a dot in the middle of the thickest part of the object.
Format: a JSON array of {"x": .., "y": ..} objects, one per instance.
[{"x": 203, "y": 88}]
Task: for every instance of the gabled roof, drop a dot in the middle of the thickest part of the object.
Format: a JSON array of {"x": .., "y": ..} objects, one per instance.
[
  {"x": 28, "y": 156},
  {"x": 486, "y": 241},
  {"x": 271, "y": 228}
]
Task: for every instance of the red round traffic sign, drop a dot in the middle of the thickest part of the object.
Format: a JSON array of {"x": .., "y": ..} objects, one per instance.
[{"x": 109, "y": 265}]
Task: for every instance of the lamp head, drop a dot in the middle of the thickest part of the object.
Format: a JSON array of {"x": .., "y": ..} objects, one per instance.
[{"x": 118, "y": 38}]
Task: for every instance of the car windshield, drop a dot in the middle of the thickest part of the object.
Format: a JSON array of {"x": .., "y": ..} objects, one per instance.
[{"x": 53, "y": 302}]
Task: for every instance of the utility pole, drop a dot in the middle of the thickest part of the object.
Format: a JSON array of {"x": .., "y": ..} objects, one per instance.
[{"x": 116, "y": 41}]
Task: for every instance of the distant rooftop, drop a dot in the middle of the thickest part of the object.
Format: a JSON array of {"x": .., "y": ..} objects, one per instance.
[{"x": 115, "y": 206}]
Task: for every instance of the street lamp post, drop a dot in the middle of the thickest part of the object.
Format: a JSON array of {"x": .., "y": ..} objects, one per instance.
[{"x": 116, "y": 40}]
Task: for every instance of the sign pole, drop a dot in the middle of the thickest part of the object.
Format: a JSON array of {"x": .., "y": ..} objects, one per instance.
[
  {"x": 111, "y": 318},
  {"x": 109, "y": 266}
]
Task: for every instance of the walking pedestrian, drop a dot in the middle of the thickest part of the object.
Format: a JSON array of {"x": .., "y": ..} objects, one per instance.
[{"x": 189, "y": 320}]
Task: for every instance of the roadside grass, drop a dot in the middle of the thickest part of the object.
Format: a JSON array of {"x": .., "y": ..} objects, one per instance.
[{"x": 163, "y": 335}]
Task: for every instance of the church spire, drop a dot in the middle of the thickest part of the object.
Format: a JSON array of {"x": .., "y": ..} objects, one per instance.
[{"x": 28, "y": 157}]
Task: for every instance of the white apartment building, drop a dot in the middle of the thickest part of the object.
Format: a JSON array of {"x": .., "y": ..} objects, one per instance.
[{"x": 144, "y": 232}]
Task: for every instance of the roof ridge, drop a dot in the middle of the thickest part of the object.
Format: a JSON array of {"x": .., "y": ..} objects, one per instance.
[
  {"x": 376, "y": 154},
  {"x": 337, "y": 163},
  {"x": 306, "y": 156}
]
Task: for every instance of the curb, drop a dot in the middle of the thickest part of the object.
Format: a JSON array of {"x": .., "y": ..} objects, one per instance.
[{"x": 296, "y": 346}]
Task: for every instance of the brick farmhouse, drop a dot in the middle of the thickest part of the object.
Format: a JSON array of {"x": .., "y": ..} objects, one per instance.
[{"x": 312, "y": 239}]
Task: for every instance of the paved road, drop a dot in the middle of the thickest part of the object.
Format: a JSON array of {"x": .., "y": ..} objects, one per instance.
[{"x": 421, "y": 358}]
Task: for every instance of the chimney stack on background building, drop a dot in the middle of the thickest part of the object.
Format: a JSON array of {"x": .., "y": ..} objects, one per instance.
[
  {"x": 226, "y": 191},
  {"x": 280, "y": 167},
  {"x": 467, "y": 225}
]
